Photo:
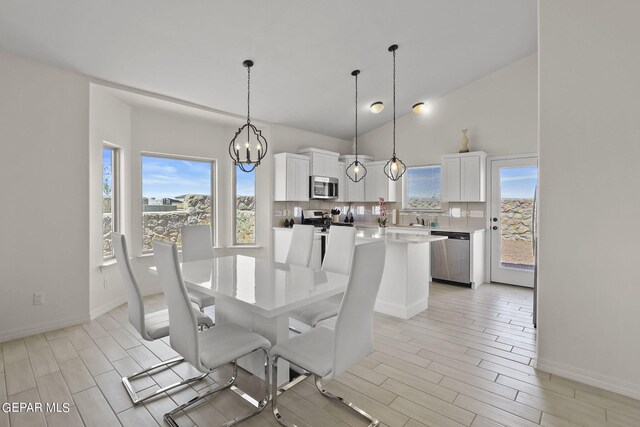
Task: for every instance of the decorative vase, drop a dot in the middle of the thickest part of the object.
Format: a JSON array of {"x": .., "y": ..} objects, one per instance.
[
  {"x": 382, "y": 230},
  {"x": 464, "y": 142}
]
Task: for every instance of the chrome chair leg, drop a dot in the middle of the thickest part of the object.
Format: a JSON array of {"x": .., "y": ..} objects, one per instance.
[
  {"x": 373, "y": 421},
  {"x": 169, "y": 416},
  {"x": 126, "y": 381}
]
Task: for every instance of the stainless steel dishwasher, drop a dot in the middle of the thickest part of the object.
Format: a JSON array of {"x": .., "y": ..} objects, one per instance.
[{"x": 450, "y": 258}]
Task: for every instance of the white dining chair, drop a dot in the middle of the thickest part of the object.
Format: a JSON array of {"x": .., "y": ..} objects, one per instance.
[
  {"x": 196, "y": 246},
  {"x": 207, "y": 350},
  {"x": 327, "y": 353},
  {"x": 337, "y": 259},
  {"x": 301, "y": 245},
  {"x": 151, "y": 326}
]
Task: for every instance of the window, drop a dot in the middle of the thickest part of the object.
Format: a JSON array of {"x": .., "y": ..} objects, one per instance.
[
  {"x": 422, "y": 188},
  {"x": 245, "y": 218},
  {"x": 110, "y": 196},
  {"x": 175, "y": 192}
]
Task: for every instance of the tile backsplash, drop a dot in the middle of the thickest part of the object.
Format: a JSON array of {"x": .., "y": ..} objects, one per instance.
[{"x": 454, "y": 214}]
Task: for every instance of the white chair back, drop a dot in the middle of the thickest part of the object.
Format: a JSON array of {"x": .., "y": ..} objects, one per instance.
[
  {"x": 301, "y": 245},
  {"x": 196, "y": 243},
  {"x": 135, "y": 303},
  {"x": 183, "y": 330},
  {"x": 339, "y": 252},
  {"x": 354, "y": 326}
]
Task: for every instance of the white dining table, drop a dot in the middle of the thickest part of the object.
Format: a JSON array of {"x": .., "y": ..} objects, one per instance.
[{"x": 259, "y": 294}]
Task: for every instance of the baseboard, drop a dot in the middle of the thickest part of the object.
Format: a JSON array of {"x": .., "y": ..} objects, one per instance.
[
  {"x": 41, "y": 328},
  {"x": 591, "y": 378},
  {"x": 72, "y": 321},
  {"x": 105, "y": 308},
  {"x": 400, "y": 311}
]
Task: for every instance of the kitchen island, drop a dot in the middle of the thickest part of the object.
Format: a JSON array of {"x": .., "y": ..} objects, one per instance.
[{"x": 404, "y": 291}]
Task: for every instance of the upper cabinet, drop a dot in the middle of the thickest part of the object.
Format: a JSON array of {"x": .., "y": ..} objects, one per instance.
[
  {"x": 377, "y": 184},
  {"x": 464, "y": 177},
  {"x": 291, "y": 177},
  {"x": 322, "y": 162},
  {"x": 352, "y": 191}
]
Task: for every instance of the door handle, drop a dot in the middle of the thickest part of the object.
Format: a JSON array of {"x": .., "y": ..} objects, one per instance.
[
  {"x": 494, "y": 219},
  {"x": 495, "y": 227}
]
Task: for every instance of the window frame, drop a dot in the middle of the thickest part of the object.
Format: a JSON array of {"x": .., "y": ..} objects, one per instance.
[
  {"x": 212, "y": 186},
  {"x": 115, "y": 193},
  {"x": 405, "y": 189},
  {"x": 234, "y": 205}
]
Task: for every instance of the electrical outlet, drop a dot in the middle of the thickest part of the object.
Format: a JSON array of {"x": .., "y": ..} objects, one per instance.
[
  {"x": 105, "y": 283},
  {"x": 38, "y": 298}
]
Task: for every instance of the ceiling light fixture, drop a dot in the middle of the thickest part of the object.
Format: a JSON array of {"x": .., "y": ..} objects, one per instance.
[
  {"x": 241, "y": 152},
  {"x": 376, "y": 107},
  {"x": 394, "y": 168},
  {"x": 356, "y": 170},
  {"x": 419, "y": 108}
]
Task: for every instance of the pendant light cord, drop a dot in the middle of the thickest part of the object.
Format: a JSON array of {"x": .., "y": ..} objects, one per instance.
[
  {"x": 248, "y": 94},
  {"x": 356, "y": 118},
  {"x": 394, "y": 103}
]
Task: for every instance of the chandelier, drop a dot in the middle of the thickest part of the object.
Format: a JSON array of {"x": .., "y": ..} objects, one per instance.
[
  {"x": 394, "y": 168},
  {"x": 356, "y": 170},
  {"x": 247, "y": 154}
]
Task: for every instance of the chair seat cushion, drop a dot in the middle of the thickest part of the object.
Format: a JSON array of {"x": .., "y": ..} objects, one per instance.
[
  {"x": 312, "y": 351},
  {"x": 318, "y": 311},
  {"x": 225, "y": 343},
  {"x": 157, "y": 323},
  {"x": 201, "y": 299}
]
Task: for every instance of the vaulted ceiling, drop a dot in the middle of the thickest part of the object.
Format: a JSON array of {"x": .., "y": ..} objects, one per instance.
[{"x": 304, "y": 51}]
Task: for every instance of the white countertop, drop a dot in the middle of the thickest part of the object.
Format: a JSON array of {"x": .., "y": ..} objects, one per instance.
[
  {"x": 371, "y": 234},
  {"x": 423, "y": 229},
  {"x": 406, "y": 228},
  {"x": 390, "y": 236}
]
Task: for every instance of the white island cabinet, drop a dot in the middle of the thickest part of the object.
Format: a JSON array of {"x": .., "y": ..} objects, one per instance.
[{"x": 404, "y": 291}]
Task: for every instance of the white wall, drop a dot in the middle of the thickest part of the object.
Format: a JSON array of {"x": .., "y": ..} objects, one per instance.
[
  {"x": 500, "y": 111},
  {"x": 589, "y": 281},
  {"x": 109, "y": 122},
  {"x": 44, "y": 188}
]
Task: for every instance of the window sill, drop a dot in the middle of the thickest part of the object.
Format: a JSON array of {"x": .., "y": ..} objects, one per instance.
[{"x": 108, "y": 263}]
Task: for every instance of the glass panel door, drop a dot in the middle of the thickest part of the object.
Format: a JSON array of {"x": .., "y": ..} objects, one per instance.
[{"x": 514, "y": 184}]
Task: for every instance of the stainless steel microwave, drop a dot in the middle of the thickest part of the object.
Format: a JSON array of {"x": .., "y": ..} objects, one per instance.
[{"x": 323, "y": 187}]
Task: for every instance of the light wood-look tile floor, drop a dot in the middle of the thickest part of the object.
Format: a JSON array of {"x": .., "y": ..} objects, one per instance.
[{"x": 466, "y": 361}]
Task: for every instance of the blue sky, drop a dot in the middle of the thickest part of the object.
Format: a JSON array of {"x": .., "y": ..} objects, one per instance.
[
  {"x": 245, "y": 183},
  {"x": 423, "y": 182},
  {"x": 163, "y": 177},
  {"x": 519, "y": 182}
]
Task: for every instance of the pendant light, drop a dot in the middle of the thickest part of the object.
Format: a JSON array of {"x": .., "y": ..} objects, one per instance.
[
  {"x": 356, "y": 170},
  {"x": 241, "y": 152},
  {"x": 394, "y": 168}
]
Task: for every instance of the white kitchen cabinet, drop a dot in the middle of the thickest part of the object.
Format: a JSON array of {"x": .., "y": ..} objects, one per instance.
[
  {"x": 353, "y": 191},
  {"x": 291, "y": 177},
  {"x": 464, "y": 177},
  {"x": 377, "y": 184},
  {"x": 322, "y": 162}
]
